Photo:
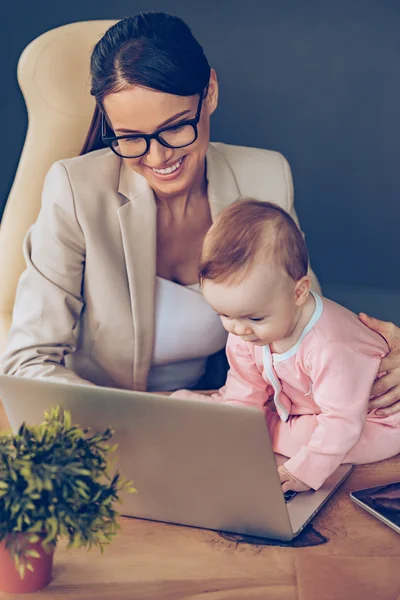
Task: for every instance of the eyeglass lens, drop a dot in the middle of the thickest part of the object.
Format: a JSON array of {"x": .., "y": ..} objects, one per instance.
[{"x": 176, "y": 137}]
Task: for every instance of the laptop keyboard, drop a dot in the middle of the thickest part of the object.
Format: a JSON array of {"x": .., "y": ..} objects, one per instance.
[{"x": 289, "y": 495}]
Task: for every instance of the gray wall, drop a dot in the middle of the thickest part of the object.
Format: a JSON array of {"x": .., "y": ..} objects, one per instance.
[{"x": 317, "y": 80}]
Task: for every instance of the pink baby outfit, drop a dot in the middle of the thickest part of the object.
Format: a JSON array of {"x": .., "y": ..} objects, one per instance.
[{"x": 320, "y": 388}]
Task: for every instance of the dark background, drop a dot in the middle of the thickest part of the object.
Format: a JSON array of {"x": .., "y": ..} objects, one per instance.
[{"x": 318, "y": 81}]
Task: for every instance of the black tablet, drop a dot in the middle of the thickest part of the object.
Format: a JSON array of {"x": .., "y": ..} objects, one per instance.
[{"x": 382, "y": 501}]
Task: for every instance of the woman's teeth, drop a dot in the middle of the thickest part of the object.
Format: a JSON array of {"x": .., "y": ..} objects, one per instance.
[{"x": 170, "y": 169}]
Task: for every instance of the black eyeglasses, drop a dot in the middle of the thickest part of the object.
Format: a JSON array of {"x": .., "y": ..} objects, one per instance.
[{"x": 132, "y": 146}]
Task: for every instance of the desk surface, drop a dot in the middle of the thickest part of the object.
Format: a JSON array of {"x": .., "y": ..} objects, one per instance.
[{"x": 149, "y": 560}]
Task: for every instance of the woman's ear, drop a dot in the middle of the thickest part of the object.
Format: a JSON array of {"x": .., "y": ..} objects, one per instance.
[
  {"x": 212, "y": 92},
  {"x": 302, "y": 290}
]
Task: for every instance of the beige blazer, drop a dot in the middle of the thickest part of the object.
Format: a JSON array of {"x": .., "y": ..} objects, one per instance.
[{"x": 84, "y": 309}]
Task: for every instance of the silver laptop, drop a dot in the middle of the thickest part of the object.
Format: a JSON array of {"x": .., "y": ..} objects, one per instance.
[{"x": 193, "y": 463}]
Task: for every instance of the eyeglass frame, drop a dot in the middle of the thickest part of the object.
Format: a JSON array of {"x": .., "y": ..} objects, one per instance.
[{"x": 108, "y": 140}]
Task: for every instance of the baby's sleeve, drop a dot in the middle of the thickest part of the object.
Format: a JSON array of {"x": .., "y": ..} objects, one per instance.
[
  {"x": 244, "y": 385},
  {"x": 342, "y": 378}
]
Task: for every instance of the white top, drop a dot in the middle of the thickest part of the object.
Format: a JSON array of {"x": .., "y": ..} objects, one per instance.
[{"x": 187, "y": 332}]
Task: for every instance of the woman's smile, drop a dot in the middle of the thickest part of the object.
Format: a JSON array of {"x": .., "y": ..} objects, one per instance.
[{"x": 171, "y": 171}]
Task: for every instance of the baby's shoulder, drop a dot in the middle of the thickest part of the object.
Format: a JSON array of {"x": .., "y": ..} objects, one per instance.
[{"x": 339, "y": 326}]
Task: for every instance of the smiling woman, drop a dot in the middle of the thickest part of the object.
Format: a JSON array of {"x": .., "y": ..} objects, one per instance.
[
  {"x": 171, "y": 150},
  {"x": 110, "y": 295},
  {"x": 133, "y": 144}
]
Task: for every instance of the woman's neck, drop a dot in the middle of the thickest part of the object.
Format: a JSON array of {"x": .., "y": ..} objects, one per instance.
[{"x": 179, "y": 203}]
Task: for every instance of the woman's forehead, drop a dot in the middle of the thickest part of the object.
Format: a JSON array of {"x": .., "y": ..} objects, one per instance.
[{"x": 144, "y": 109}]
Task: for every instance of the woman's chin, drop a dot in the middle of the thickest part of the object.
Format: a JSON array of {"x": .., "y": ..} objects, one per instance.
[{"x": 173, "y": 186}]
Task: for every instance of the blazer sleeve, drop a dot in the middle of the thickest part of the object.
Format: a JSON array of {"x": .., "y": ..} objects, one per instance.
[
  {"x": 49, "y": 298},
  {"x": 292, "y": 211},
  {"x": 245, "y": 385},
  {"x": 342, "y": 378}
]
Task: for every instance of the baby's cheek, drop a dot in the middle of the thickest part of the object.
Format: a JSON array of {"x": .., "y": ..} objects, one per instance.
[
  {"x": 227, "y": 325},
  {"x": 261, "y": 331}
]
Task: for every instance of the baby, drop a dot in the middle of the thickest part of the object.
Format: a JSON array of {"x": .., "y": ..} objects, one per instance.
[{"x": 311, "y": 357}]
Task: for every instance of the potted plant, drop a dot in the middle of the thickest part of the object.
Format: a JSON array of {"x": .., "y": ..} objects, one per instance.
[{"x": 55, "y": 482}]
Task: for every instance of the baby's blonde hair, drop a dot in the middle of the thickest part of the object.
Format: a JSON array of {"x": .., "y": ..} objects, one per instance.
[{"x": 250, "y": 230}]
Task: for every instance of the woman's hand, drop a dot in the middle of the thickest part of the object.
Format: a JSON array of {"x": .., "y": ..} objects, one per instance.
[
  {"x": 290, "y": 482},
  {"x": 385, "y": 393}
]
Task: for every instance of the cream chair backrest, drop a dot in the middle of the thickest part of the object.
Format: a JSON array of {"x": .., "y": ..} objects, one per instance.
[{"x": 53, "y": 73}]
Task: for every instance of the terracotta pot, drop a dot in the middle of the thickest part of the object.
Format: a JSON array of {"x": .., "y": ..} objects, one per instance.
[{"x": 10, "y": 580}]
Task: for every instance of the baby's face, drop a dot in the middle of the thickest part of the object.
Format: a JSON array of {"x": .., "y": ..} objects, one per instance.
[{"x": 261, "y": 309}]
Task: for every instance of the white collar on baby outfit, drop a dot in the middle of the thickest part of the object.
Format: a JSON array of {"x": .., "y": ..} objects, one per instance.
[{"x": 319, "y": 307}]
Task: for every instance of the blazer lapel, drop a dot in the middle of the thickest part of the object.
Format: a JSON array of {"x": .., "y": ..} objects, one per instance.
[
  {"x": 222, "y": 186},
  {"x": 137, "y": 220}
]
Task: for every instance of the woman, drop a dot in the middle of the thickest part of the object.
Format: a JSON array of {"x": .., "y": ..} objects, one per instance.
[{"x": 110, "y": 292}]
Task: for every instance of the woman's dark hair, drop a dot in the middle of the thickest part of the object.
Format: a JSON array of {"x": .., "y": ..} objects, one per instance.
[{"x": 150, "y": 49}]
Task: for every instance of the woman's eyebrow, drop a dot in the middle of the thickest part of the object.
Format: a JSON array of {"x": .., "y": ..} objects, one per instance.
[{"x": 173, "y": 118}]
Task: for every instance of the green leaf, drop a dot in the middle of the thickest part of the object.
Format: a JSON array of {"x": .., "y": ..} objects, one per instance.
[
  {"x": 51, "y": 526},
  {"x": 37, "y": 527},
  {"x": 33, "y": 539},
  {"x": 67, "y": 419},
  {"x": 82, "y": 472},
  {"x": 47, "y": 485},
  {"x": 33, "y": 553}
]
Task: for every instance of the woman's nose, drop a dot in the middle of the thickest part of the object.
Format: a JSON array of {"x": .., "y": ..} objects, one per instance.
[{"x": 157, "y": 154}]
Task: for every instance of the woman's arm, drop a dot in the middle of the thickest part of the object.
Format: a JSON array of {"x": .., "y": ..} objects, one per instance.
[
  {"x": 385, "y": 392},
  {"x": 49, "y": 299}
]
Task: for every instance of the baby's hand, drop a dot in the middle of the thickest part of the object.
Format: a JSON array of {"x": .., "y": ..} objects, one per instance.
[{"x": 290, "y": 482}]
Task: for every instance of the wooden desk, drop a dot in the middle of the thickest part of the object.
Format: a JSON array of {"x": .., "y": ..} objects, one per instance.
[{"x": 151, "y": 560}]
